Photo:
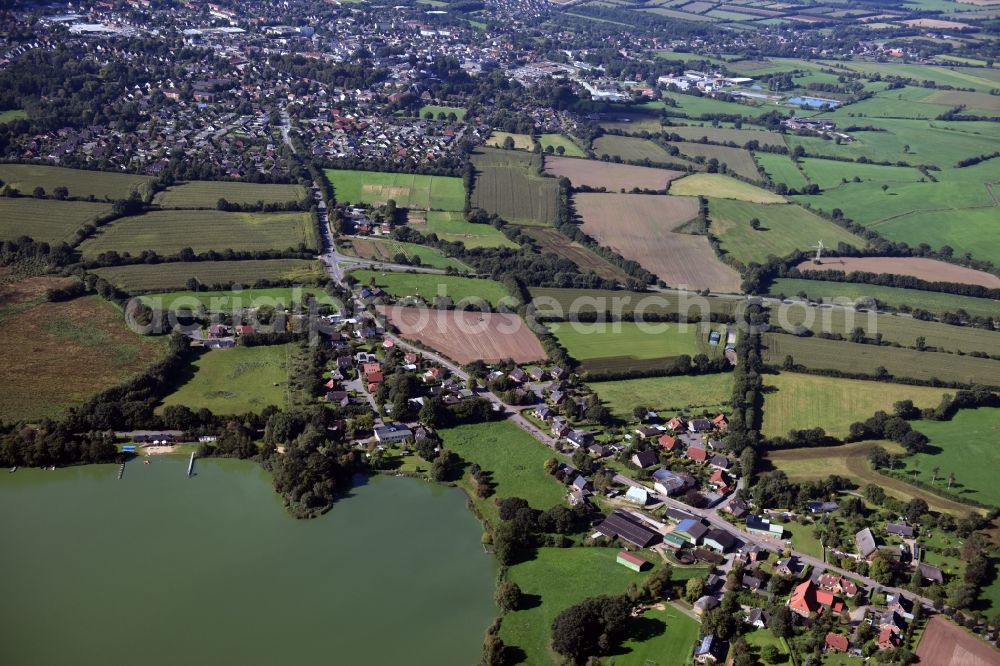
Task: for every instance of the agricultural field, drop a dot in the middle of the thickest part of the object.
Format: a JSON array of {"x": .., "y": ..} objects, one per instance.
[
  {"x": 452, "y": 226},
  {"x": 169, "y": 276},
  {"x": 521, "y": 141},
  {"x": 820, "y": 354},
  {"x": 722, "y": 187},
  {"x": 982, "y": 80},
  {"x": 279, "y": 298},
  {"x": 570, "y": 147},
  {"x": 631, "y": 149},
  {"x": 781, "y": 169},
  {"x": 783, "y": 229},
  {"x": 851, "y": 462},
  {"x": 429, "y": 286},
  {"x": 50, "y": 342},
  {"x": 895, "y": 329},
  {"x": 831, "y": 174},
  {"x": 206, "y": 194},
  {"x": 561, "y": 303},
  {"x": 893, "y": 297},
  {"x": 552, "y": 240},
  {"x": 682, "y": 394},
  {"x": 236, "y": 381},
  {"x": 970, "y": 435},
  {"x": 611, "y": 176},
  {"x": 795, "y": 401},
  {"x": 386, "y": 249},
  {"x": 696, "y": 107},
  {"x": 727, "y": 135},
  {"x": 738, "y": 160},
  {"x": 632, "y": 122},
  {"x": 80, "y": 183},
  {"x": 407, "y": 190},
  {"x": 446, "y": 110},
  {"x": 944, "y": 642},
  {"x": 641, "y": 227},
  {"x": 508, "y": 184},
  {"x": 468, "y": 336},
  {"x": 929, "y": 270},
  {"x": 47, "y": 220},
  {"x": 168, "y": 232}
]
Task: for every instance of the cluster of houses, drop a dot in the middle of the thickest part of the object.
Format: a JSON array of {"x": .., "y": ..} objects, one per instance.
[{"x": 868, "y": 546}]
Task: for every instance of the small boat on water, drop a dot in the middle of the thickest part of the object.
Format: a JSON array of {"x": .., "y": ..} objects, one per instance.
[{"x": 13, "y": 469}]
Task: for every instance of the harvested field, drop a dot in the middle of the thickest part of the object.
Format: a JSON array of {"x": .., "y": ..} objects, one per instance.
[
  {"x": 206, "y": 194},
  {"x": 169, "y": 276},
  {"x": 521, "y": 141},
  {"x": 386, "y": 249},
  {"x": 946, "y": 644},
  {"x": 551, "y": 240},
  {"x": 631, "y": 149},
  {"x": 922, "y": 268},
  {"x": 169, "y": 231},
  {"x": 80, "y": 183},
  {"x": 723, "y": 187},
  {"x": 468, "y": 336},
  {"x": 936, "y": 23},
  {"x": 508, "y": 184},
  {"x": 640, "y": 227},
  {"x": 47, "y": 220},
  {"x": 613, "y": 177}
]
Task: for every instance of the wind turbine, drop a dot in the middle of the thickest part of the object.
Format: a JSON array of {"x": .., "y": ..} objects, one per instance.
[{"x": 819, "y": 247}]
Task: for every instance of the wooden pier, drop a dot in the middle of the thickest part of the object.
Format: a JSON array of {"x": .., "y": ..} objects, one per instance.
[{"x": 191, "y": 465}]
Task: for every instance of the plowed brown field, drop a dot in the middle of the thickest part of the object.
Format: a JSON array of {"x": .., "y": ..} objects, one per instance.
[{"x": 930, "y": 270}]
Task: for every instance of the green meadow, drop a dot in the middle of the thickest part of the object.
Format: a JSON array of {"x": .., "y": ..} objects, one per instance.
[
  {"x": 667, "y": 395},
  {"x": 428, "y": 286},
  {"x": 407, "y": 190}
]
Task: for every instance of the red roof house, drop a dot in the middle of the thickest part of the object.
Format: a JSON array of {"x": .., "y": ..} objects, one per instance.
[
  {"x": 697, "y": 454},
  {"x": 668, "y": 443},
  {"x": 803, "y": 599},
  {"x": 887, "y": 638},
  {"x": 721, "y": 422},
  {"x": 836, "y": 642}
]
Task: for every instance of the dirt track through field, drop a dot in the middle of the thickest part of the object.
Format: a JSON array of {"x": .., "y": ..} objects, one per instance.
[
  {"x": 946, "y": 644},
  {"x": 468, "y": 336},
  {"x": 922, "y": 268}
]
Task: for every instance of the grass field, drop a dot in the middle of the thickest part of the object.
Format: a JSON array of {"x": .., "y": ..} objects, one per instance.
[
  {"x": 784, "y": 228},
  {"x": 781, "y": 169},
  {"x": 169, "y": 276},
  {"x": 521, "y": 141},
  {"x": 614, "y": 177},
  {"x": 228, "y": 300},
  {"x": 47, "y": 220},
  {"x": 726, "y": 135},
  {"x": 667, "y": 637},
  {"x": 452, "y": 226},
  {"x": 722, "y": 187},
  {"x": 80, "y": 183},
  {"x": 236, "y": 381},
  {"x": 738, "y": 160},
  {"x": 820, "y": 354},
  {"x": 168, "y": 232},
  {"x": 970, "y": 436},
  {"x": 552, "y": 240},
  {"x": 47, "y": 343},
  {"x": 408, "y": 190},
  {"x": 923, "y": 268},
  {"x": 667, "y": 395},
  {"x": 206, "y": 194},
  {"x": 894, "y": 297},
  {"x": 851, "y": 461},
  {"x": 570, "y": 148},
  {"x": 796, "y": 402},
  {"x": 428, "y": 286},
  {"x": 830, "y": 174},
  {"x": 631, "y": 149},
  {"x": 560, "y": 303},
  {"x": 10, "y": 115},
  {"x": 446, "y": 110},
  {"x": 508, "y": 184},
  {"x": 386, "y": 249}
]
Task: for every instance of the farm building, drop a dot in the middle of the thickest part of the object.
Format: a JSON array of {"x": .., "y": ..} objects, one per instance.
[
  {"x": 692, "y": 530},
  {"x": 638, "y": 495},
  {"x": 629, "y": 560},
  {"x": 622, "y": 525},
  {"x": 762, "y": 526}
]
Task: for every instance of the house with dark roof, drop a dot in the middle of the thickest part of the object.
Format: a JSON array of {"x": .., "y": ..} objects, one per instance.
[
  {"x": 822, "y": 507},
  {"x": 627, "y": 528},
  {"x": 865, "y": 541},
  {"x": 580, "y": 438},
  {"x": 692, "y": 530},
  {"x": 704, "y": 604},
  {"x": 930, "y": 573},
  {"x": 645, "y": 459},
  {"x": 758, "y": 617},
  {"x": 699, "y": 425},
  {"x": 737, "y": 508},
  {"x": 720, "y": 540},
  {"x": 666, "y": 482},
  {"x": 646, "y": 432},
  {"x": 392, "y": 433},
  {"x": 720, "y": 462},
  {"x": 710, "y": 650},
  {"x": 751, "y": 583},
  {"x": 600, "y": 451},
  {"x": 899, "y": 529}
]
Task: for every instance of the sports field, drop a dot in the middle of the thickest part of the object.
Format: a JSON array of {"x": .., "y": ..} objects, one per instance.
[
  {"x": 386, "y": 249},
  {"x": 407, "y": 190},
  {"x": 783, "y": 229},
  {"x": 452, "y": 226},
  {"x": 818, "y": 290},
  {"x": 641, "y": 227},
  {"x": 614, "y": 177},
  {"x": 80, "y": 183},
  {"x": 820, "y": 354},
  {"x": 429, "y": 286},
  {"x": 795, "y": 401},
  {"x": 170, "y": 276},
  {"x": 570, "y": 147},
  {"x": 206, "y": 194},
  {"x": 631, "y": 149},
  {"x": 508, "y": 184},
  {"x": 241, "y": 299},
  {"x": 722, "y": 187},
  {"x": 236, "y": 381},
  {"x": 667, "y": 396},
  {"x": 168, "y": 232},
  {"x": 47, "y": 220},
  {"x": 970, "y": 436},
  {"x": 552, "y": 240}
]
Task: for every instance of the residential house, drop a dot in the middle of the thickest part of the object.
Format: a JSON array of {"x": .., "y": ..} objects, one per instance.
[
  {"x": 764, "y": 527},
  {"x": 930, "y": 573},
  {"x": 678, "y": 515},
  {"x": 647, "y": 432},
  {"x": 697, "y": 454},
  {"x": 865, "y": 541},
  {"x": 752, "y": 553},
  {"x": 557, "y": 373},
  {"x": 900, "y": 604},
  {"x": 666, "y": 482},
  {"x": 339, "y": 398},
  {"x": 899, "y": 529},
  {"x": 710, "y": 650},
  {"x": 582, "y": 484},
  {"x": 720, "y": 540},
  {"x": 758, "y": 618},
  {"x": 738, "y": 508},
  {"x": 677, "y": 424},
  {"x": 627, "y": 528},
  {"x": 692, "y": 530},
  {"x": 645, "y": 459},
  {"x": 721, "y": 423},
  {"x": 668, "y": 442},
  {"x": 543, "y": 412},
  {"x": 718, "y": 481},
  {"x": 720, "y": 462},
  {"x": 789, "y": 566},
  {"x": 434, "y": 374},
  {"x": 638, "y": 495},
  {"x": 822, "y": 507},
  {"x": 392, "y": 433},
  {"x": 600, "y": 451},
  {"x": 888, "y": 639},
  {"x": 538, "y": 374},
  {"x": 803, "y": 599},
  {"x": 518, "y": 375},
  {"x": 751, "y": 583},
  {"x": 699, "y": 425},
  {"x": 705, "y": 604},
  {"x": 836, "y": 643},
  {"x": 837, "y": 585},
  {"x": 580, "y": 438}
]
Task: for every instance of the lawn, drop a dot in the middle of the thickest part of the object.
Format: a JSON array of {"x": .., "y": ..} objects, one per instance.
[
  {"x": 10, "y": 115},
  {"x": 514, "y": 459},
  {"x": 169, "y": 276},
  {"x": 723, "y": 187},
  {"x": 80, "y": 183},
  {"x": 521, "y": 141},
  {"x": 669, "y": 638},
  {"x": 228, "y": 300},
  {"x": 206, "y": 194},
  {"x": 453, "y": 227},
  {"x": 586, "y": 341},
  {"x": 446, "y": 110},
  {"x": 429, "y": 286},
  {"x": 570, "y": 148},
  {"x": 761, "y": 637},
  {"x": 784, "y": 228},
  {"x": 970, "y": 436},
  {"x": 894, "y": 297},
  {"x": 667, "y": 395},
  {"x": 781, "y": 169},
  {"x": 407, "y": 190},
  {"x": 795, "y": 401},
  {"x": 508, "y": 184},
  {"x": 236, "y": 381},
  {"x": 47, "y": 220},
  {"x": 168, "y": 232},
  {"x": 387, "y": 249}
]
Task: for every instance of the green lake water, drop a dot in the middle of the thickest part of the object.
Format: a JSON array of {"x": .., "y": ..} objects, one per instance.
[{"x": 158, "y": 568}]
